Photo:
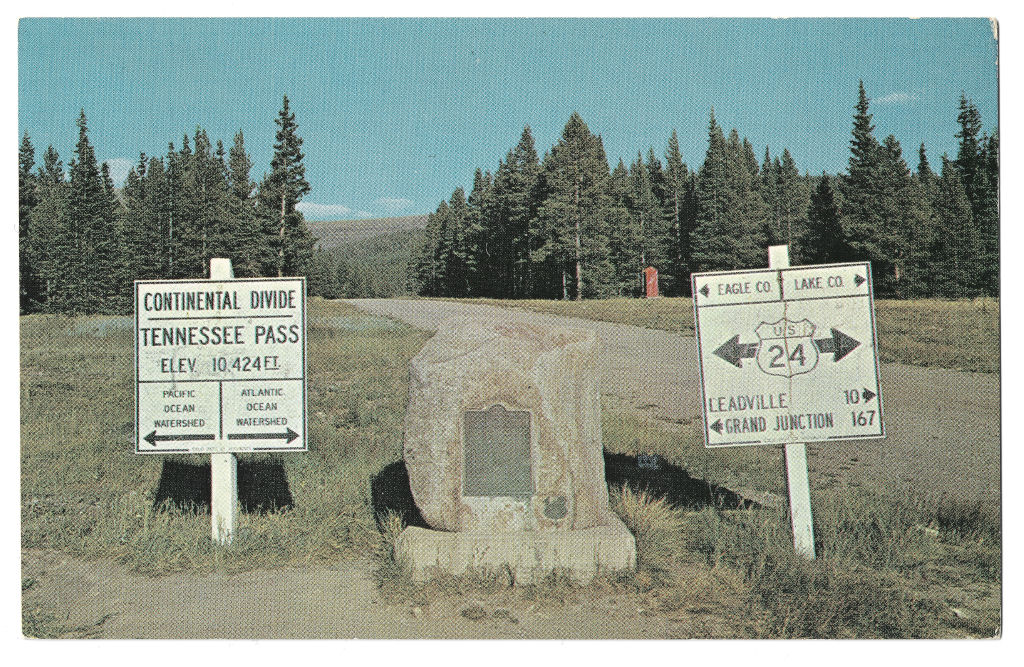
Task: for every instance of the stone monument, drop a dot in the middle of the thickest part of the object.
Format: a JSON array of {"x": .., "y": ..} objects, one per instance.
[{"x": 503, "y": 449}]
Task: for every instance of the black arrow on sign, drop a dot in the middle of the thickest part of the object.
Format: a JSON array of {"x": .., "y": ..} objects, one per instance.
[
  {"x": 704, "y": 290},
  {"x": 839, "y": 344},
  {"x": 859, "y": 279},
  {"x": 152, "y": 438},
  {"x": 288, "y": 436},
  {"x": 717, "y": 427},
  {"x": 733, "y": 351},
  {"x": 867, "y": 394}
]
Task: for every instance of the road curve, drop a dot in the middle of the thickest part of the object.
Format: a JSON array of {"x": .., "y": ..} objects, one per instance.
[{"x": 942, "y": 425}]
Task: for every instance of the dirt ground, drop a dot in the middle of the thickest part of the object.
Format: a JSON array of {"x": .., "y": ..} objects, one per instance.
[
  {"x": 942, "y": 426},
  {"x": 102, "y": 600}
]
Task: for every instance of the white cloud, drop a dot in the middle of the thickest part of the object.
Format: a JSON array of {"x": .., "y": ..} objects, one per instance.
[
  {"x": 394, "y": 204},
  {"x": 896, "y": 98},
  {"x": 323, "y": 211},
  {"x": 119, "y": 167}
]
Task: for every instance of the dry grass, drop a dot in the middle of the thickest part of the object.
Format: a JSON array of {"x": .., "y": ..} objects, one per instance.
[{"x": 657, "y": 527}]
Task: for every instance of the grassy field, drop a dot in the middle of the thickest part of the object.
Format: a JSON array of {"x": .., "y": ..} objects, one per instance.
[
  {"x": 962, "y": 335},
  {"x": 86, "y": 492},
  {"x": 891, "y": 564}
]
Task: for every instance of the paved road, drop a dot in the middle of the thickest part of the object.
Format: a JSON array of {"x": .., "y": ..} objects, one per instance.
[{"x": 942, "y": 425}]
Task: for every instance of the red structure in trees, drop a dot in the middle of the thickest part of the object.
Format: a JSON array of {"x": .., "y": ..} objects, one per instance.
[{"x": 651, "y": 282}]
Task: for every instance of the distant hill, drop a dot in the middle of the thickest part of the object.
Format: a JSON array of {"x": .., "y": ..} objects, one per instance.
[
  {"x": 365, "y": 258},
  {"x": 344, "y": 232}
]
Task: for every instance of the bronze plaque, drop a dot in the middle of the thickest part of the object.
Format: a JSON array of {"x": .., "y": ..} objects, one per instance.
[{"x": 496, "y": 448}]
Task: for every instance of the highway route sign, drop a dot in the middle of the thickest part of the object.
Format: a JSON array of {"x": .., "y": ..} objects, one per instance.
[
  {"x": 220, "y": 365},
  {"x": 788, "y": 355}
]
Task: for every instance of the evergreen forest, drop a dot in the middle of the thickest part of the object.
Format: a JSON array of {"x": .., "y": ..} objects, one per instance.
[
  {"x": 567, "y": 226},
  {"x": 564, "y": 225},
  {"x": 83, "y": 242}
]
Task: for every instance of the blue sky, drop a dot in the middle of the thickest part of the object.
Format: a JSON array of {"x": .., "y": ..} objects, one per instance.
[{"x": 397, "y": 112}]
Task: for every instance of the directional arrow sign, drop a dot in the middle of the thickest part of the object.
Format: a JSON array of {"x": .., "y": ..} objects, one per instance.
[
  {"x": 839, "y": 344},
  {"x": 153, "y": 438},
  {"x": 733, "y": 351},
  {"x": 807, "y": 335},
  {"x": 288, "y": 436}
]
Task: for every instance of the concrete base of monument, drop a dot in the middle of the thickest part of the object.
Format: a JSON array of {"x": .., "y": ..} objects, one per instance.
[{"x": 528, "y": 555}]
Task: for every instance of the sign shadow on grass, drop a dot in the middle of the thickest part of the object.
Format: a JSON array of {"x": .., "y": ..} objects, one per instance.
[
  {"x": 390, "y": 492},
  {"x": 262, "y": 486}
]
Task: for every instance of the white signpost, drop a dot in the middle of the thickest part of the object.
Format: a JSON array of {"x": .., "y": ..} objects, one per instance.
[
  {"x": 220, "y": 368},
  {"x": 788, "y": 356}
]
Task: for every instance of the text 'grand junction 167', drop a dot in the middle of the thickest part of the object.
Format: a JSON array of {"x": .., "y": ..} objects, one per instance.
[
  {"x": 788, "y": 355},
  {"x": 220, "y": 366}
]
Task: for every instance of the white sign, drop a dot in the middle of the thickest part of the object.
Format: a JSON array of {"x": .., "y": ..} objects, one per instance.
[
  {"x": 220, "y": 365},
  {"x": 788, "y": 355}
]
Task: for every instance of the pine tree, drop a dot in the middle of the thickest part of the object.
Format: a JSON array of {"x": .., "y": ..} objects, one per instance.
[
  {"x": 869, "y": 210},
  {"x": 731, "y": 215},
  {"x": 925, "y": 175},
  {"x": 452, "y": 253},
  {"x": 510, "y": 218},
  {"x": 822, "y": 240},
  {"x": 968, "y": 159},
  {"x": 769, "y": 184},
  {"x": 712, "y": 241},
  {"x": 922, "y": 243},
  {"x": 114, "y": 264},
  {"x": 205, "y": 225},
  {"x": 573, "y": 215},
  {"x": 226, "y": 232},
  {"x": 793, "y": 199},
  {"x": 688, "y": 222},
  {"x": 279, "y": 194},
  {"x": 987, "y": 216},
  {"x": 87, "y": 281},
  {"x": 643, "y": 207},
  {"x": 956, "y": 247},
  {"x": 28, "y": 197},
  {"x": 624, "y": 238},
  {"x": 497, "y": 236},
  {"x": 677, "y": 181},
  {"x": 479, "y": 261},
  {"x": 156, "y": 219},
  {"x": 250, "y": 253},
  {"x": 905, "y": 221},
  {"x": 977, "y": 163},
  {"x": 51, "y": 245},
  {"x": 430, "y": 275},
  {"x": 522, "y": 210},
  {"x": 170, "y": 208},
  {"x": 657, "y": 225},
  {"x": 140, "y": 225}
]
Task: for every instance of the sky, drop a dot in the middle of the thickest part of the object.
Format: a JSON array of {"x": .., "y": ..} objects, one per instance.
[{"x": 395, "y": 113}]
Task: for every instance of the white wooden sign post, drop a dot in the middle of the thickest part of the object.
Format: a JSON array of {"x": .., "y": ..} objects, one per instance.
[
  {"x": 220, "y": 367},
  {"x": 223, "y": 465},
  {"x": 788, "y": 355},
  {"x": 796, "y": 459}
]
